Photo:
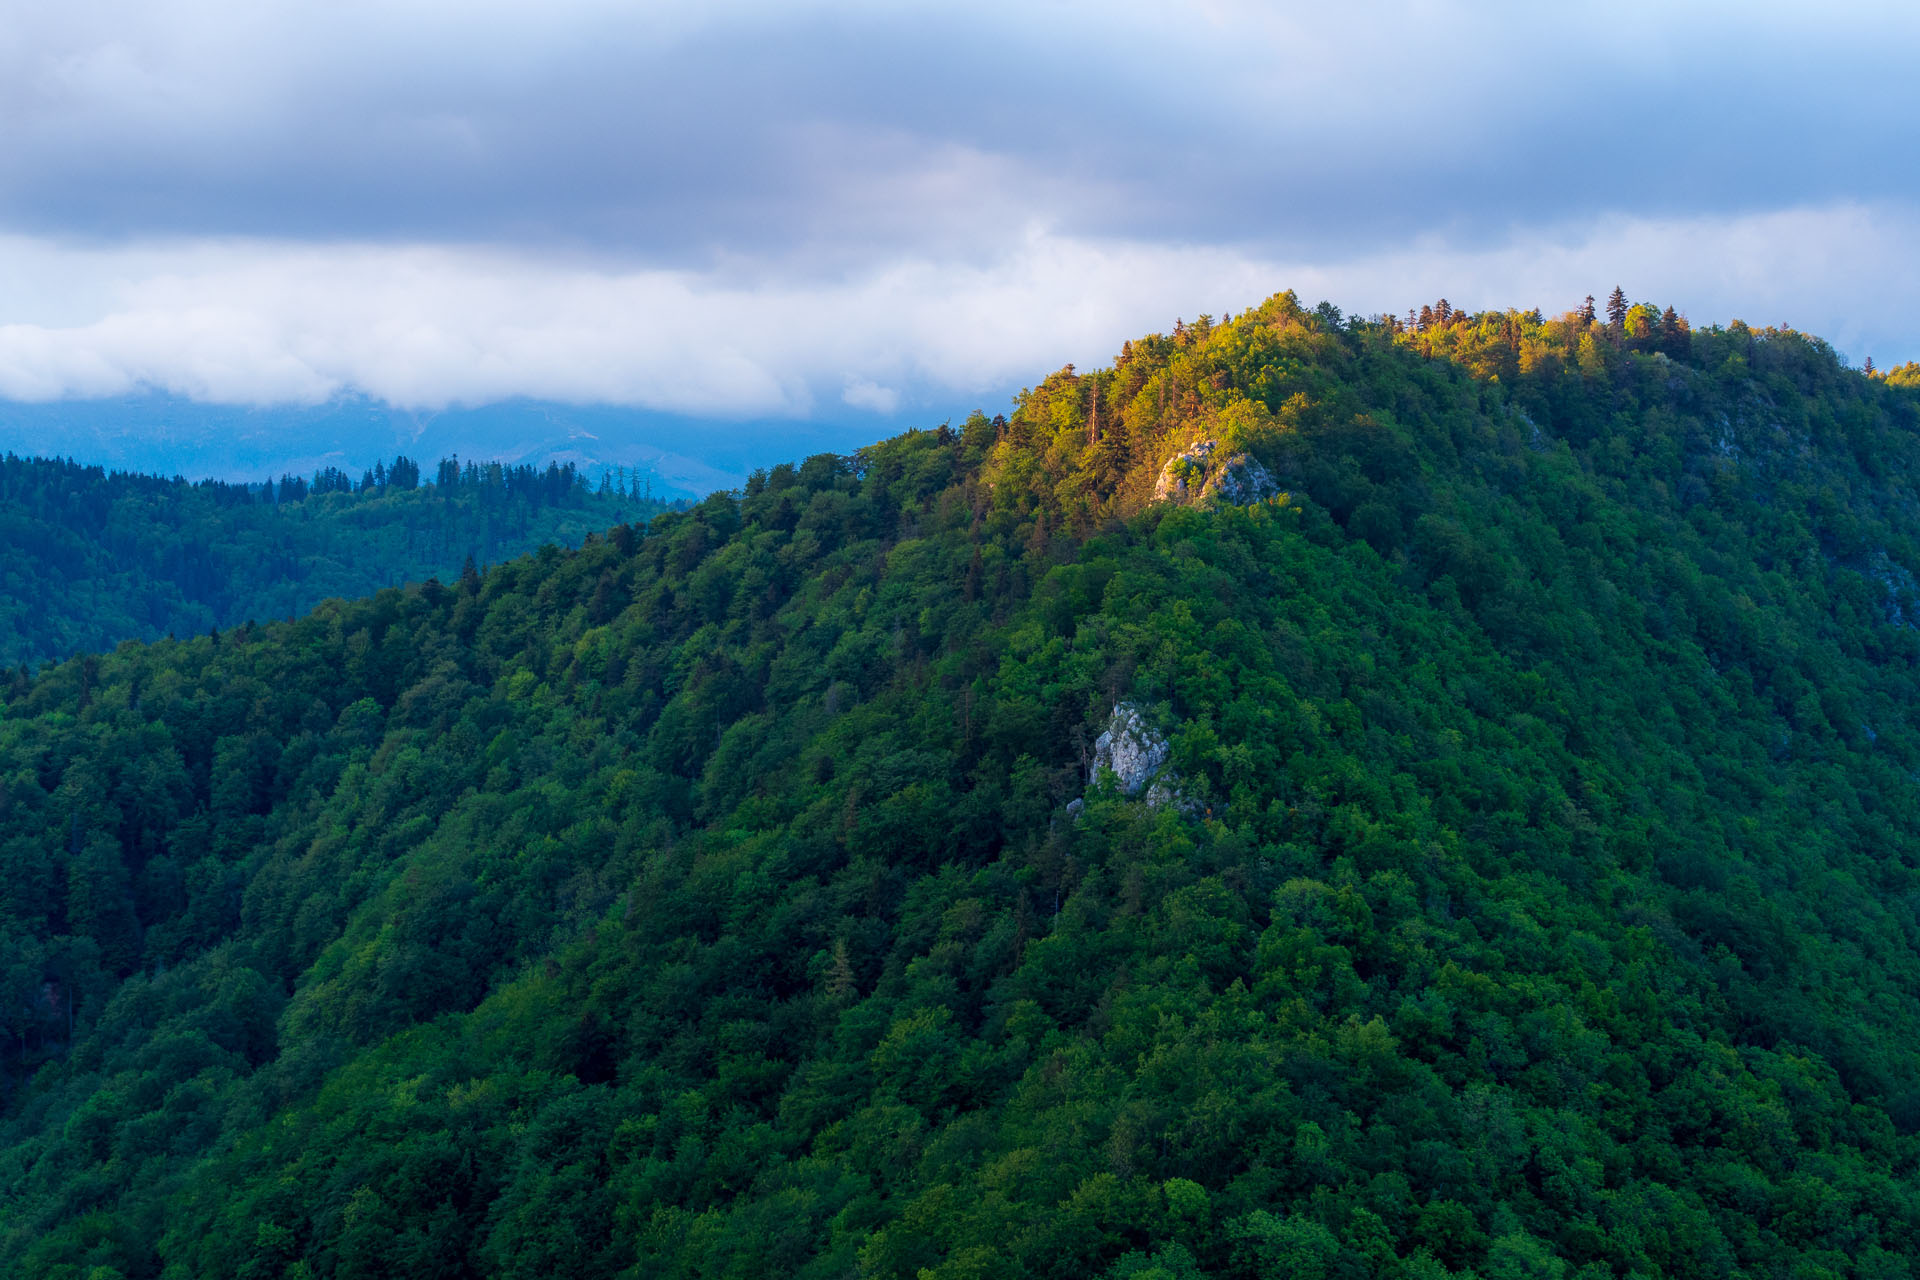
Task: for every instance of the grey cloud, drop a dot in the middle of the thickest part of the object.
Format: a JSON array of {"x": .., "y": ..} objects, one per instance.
[
  {"x": 265, "y": 322},
  {"x": 824, "y": 134},
  {"x": 845, "y": 208}
]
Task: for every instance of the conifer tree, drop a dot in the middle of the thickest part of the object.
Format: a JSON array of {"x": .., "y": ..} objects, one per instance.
[
  {"x": 1586, "y": 312},
  {"x": 1675, "y": 339},
  {"x": 1617, "y": 310}
]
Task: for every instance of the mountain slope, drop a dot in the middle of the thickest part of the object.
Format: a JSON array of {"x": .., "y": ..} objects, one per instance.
[
  {"x": 95, "y": 557},
  {"x": 1541, "y": 898}
]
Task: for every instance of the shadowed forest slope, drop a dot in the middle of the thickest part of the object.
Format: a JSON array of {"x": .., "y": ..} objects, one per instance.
[
  {"x": 89, "y": 557},
  {"x": 706, "y": 901}
]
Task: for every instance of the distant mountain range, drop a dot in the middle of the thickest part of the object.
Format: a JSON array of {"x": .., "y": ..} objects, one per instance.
[
  {"x": 172, "y": 435},
  {"x": 92, "y": 559}
]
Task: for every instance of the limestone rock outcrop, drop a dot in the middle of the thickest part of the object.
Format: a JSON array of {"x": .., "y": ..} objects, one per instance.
[
  {"x": 1204, "y": 470},
  {"x": 1131, "y": 750},
  {"x": 1136, "y": 754}
]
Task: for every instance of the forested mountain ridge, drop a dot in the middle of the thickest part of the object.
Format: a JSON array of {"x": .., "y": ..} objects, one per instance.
[
  {"x": 89, "y": 557},
  {"x": 706, "y": 902}
]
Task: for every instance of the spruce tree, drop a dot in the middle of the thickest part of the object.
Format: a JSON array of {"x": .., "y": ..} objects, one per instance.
[
  {"x": 1674, "y": 337},
  {"x": 1586, "y": 312},
  {"x": 1617, "y": 310}
]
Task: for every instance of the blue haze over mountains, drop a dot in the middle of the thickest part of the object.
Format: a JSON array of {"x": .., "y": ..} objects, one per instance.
[{"x": 681, "y": 457}]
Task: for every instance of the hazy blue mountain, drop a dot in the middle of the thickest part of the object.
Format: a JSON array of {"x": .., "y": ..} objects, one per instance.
[{"x": 683, "y": 456}]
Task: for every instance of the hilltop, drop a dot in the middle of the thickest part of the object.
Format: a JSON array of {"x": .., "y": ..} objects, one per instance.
[{"x": 1534, "y": 889}]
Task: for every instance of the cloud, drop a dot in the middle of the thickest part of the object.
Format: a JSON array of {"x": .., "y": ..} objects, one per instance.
[
  {"x": 862, "y": 394},
  {"x": 269, "y": 321},
  {"x": 831, "y": 135},
  {"x": 746, "y": 208}
]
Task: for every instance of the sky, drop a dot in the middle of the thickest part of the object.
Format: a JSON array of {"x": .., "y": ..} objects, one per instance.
[{"x": 813, "y": 211}]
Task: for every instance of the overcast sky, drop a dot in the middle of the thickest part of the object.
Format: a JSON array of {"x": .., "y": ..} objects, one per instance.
[{"x": 820, "y": 209}]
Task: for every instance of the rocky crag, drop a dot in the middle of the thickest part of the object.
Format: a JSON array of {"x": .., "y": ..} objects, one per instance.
[
  {"x": 1204, "y": 470},
  {"x": 1136, "y": 754}
]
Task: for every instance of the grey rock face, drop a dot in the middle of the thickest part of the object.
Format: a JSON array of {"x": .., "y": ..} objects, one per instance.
[
  {"x": 1203, "y": 470},
  {"x": 1130, "y": 750}
]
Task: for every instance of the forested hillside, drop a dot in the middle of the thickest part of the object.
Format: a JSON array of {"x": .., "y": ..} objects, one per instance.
[
  {"x": 1540, "y": 896},
  {"x": 89, "y": 558}
]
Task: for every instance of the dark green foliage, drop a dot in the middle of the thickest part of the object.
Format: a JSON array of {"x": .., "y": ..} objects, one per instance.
[
  {"x": 704, "y": 902},
  {"x": 89, "y": 558}
]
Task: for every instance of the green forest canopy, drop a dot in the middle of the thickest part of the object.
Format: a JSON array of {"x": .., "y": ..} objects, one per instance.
[
  {"x": 705, "y": 901},
  {"x": 89, "y": 558}
]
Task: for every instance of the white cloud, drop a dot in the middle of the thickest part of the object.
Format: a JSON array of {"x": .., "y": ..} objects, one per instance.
[
  {"x": 424, "y": 326},
  {"x": 862, "y": 394}
]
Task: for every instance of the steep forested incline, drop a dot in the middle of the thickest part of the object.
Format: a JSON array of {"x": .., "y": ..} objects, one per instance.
[
  {"x": 89, "y": 558},
  {"x": 706, "y": 902}
]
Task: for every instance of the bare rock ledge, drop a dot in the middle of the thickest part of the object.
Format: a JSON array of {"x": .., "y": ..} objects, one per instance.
[{"x": 1203, "y": 470}]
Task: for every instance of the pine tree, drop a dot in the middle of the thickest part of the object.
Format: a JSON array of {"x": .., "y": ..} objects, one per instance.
[
  {"x": 1586, "y": 312},
  {"x": 1675, "y": 339},
  {"x": 1617, "y": 310}
]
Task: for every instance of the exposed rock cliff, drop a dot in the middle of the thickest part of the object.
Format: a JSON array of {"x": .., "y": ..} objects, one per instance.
[
  {"x": 1136, "y": 755},
  {"x": 1130, "y": 750},
  {"x": 1203, "y": 470}
]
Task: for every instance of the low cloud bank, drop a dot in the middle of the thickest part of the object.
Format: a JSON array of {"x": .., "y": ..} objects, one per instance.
[{"x": 425, "y": 326}]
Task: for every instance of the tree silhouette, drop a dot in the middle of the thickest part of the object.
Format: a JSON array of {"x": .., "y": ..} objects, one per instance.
[
  {"x": 1675, "y": 339},
  {"x": 1617, "y": 310}
]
